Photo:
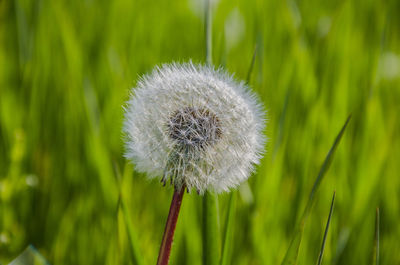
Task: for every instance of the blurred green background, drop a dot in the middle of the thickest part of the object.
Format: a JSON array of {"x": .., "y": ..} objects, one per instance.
[{"x": 66, "y": 68}]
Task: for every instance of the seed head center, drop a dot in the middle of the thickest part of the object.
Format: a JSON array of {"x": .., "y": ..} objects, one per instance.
[{"x": 194, "y": 127}]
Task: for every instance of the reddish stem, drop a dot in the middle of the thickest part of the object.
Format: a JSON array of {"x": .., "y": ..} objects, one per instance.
[{"x": 165, "y": 249}]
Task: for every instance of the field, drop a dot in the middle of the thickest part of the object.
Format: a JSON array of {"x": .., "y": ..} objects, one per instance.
[{"x": 66, "y": 69}]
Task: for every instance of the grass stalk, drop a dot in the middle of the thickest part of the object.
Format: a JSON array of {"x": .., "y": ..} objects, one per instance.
[
  {"x": 375, "y": 252},
  {"x": 228, "y": 236},
  {"x": 211, "y": 236},
  {"x": 321, "y": 253},
  {"x": 293, "y": 250},
  {"x": 135, "y": 253},
  {"x": 133, "y": 240},
  {"x": 208, "y": 32},
  {"x": 251, "y": 67}
]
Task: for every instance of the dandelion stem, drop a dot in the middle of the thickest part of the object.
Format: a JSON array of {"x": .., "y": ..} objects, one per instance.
[
  {"x": 208, "y": 32},
  {"x": 165, "y": 249}
]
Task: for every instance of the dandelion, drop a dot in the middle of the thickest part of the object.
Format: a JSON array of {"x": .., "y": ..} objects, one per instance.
[{"x": 195, "y": 127}]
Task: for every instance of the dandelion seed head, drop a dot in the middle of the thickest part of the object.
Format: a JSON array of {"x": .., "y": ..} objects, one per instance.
[{"x": 194, "y": 125}]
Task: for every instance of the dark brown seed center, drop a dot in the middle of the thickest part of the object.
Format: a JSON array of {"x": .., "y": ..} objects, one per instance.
[{"x": 194, "y": 127}]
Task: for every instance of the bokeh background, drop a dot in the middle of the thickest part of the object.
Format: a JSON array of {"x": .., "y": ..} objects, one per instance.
[{"x": 66, "y": 68}]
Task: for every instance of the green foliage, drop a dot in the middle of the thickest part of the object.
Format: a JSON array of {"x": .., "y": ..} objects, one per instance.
[
  {"x": 66, "y": 67},
  {"x": 293, "y": 251}
]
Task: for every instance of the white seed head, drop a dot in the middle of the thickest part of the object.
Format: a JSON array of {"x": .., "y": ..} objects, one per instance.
[{"x": 194, "y": 125}]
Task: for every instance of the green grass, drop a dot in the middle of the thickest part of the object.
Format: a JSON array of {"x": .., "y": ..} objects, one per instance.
[{"x": 66, "y": 68}]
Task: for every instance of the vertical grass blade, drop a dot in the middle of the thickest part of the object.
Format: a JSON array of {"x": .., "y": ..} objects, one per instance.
[
  {"x": 253, "y": 60},
  {"x": 132, "y": 237},
  {"x": 375, "y": 252},
  {"x": 229, "y": 222},
  {"x": 211, "y": 237},
  {"x": 228, "y": 235},
  {"x": 293, "y": 250},
  {"x": 208, "y": 31},
  {"x": 323, "y": 170},
  {"x": 321, "y": 253},
  {"x": 133, "y": 240}
]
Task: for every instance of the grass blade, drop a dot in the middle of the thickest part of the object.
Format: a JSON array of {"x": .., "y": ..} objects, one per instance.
[
  {"x": 132, "y": 237},
  {"x": 229, "y": 224},
  {"x": 293, "y": 250},
  {"x": 208, "y": 32},
  {"x": 321, "y": 253},
  {"x": 375, "y": 252},
  {"x": 211, "y": 236},
  {"x": 133, "y": 240},
  {"x": 323, "y": 170},
  {"x": 253, "y": 60}
]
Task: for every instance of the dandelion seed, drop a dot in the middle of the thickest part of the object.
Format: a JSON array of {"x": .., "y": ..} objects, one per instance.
[{"x": 194, "y": 126}]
